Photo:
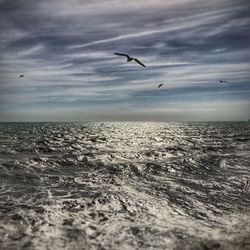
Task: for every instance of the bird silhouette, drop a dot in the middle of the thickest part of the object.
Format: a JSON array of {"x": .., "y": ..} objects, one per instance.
[
  {"x": 160, "y": 85},
  {"x": 130, "y": 59},
  {"x": 223, "y": 81},
  {"x": 21, "y": 76}
]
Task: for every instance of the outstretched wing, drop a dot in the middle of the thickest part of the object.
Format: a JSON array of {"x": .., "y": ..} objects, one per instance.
[
  {"x": 121, "y": 54},
  {"x": 139, "y": 62},
  {"x": 224, "y": 81}
]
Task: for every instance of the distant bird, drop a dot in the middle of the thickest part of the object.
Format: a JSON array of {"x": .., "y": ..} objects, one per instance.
[
  {"x": 223, "y": 81},
  {"x": 21, "y": 76},
  {"x": 160, "y": 85},
  {"x": 130, "y": 59},
  {"x": 102, "y": 124}
]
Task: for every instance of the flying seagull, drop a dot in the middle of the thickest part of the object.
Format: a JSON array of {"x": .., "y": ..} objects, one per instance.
[
  {"x": 223, "y": 81},
  {"x": 130, "y": 59},
  {"x": 21, "y": 76},
  {"x": 160, "y": 85}
]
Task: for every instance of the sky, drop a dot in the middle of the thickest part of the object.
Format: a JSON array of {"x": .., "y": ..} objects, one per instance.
[{"x": 65, "y": 49}]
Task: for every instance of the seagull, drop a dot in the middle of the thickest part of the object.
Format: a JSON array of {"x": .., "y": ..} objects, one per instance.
[
  {"x": 223, "y": 81},
  {"x": 160, "y": 85},
  {"x": 130, "y": 59},
  {"x": 102, "y": 124},
  {"x": 21, "y": 76}
]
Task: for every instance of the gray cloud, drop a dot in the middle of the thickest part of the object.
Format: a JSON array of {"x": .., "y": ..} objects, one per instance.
[{"x": 65, "y": 49}]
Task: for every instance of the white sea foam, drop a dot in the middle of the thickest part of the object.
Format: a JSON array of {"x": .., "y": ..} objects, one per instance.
[{"x": 124, "y": 186}]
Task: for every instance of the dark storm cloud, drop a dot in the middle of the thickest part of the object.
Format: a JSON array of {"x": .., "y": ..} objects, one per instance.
[{"x": 67, "y": 46}]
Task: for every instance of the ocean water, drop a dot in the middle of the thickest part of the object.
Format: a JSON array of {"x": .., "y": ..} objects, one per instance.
[{"x": 124, "y": 186}]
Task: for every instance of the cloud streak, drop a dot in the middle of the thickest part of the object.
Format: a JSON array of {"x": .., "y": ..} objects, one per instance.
[{"x": 65, "y": 50}]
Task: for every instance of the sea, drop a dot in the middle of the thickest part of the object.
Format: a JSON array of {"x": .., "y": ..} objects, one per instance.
[{"x": 125, "y": 185}]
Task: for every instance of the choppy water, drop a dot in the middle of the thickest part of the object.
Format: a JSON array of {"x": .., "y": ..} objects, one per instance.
[{"x": 125, "y": 186}]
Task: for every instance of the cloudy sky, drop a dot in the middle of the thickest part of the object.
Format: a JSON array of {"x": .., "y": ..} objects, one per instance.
[{"x": 65, "y": 49}]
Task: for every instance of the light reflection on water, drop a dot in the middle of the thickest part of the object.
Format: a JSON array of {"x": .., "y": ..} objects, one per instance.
[{"x": 124, "y": 185}]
